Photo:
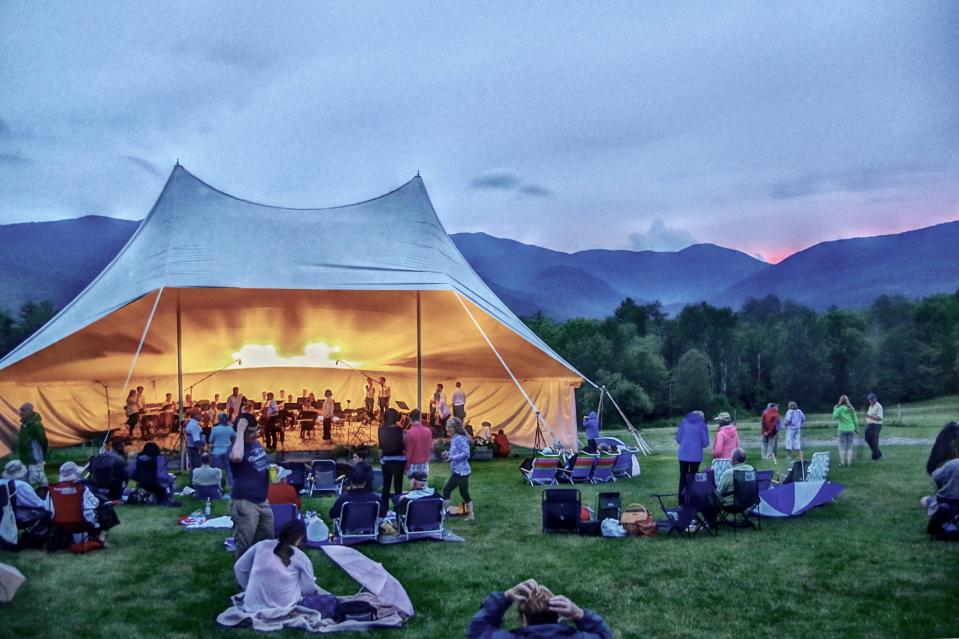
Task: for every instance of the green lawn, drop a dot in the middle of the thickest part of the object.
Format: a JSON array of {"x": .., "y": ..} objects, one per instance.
[{"x": 862, "y": 566}]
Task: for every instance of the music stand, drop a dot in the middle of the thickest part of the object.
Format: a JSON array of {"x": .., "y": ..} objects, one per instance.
[{"x": 403, "y": 406}]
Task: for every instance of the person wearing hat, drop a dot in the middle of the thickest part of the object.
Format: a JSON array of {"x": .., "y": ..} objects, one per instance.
[
  {"x": 14, "y": 475},
  {"x": 70, "y": 473},
  {"x": 32, "y": 444},
  {"x": 359, "y": 491},
  {"x": 280, "y": 492},
  {"x": 873, "y": 425},
  {"x": 771, "y": 421},
  {"x": 727, "y": 437},
  {"x": 418, "y": 490}
]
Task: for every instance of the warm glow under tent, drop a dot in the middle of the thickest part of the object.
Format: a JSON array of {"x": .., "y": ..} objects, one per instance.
[{"x": 288, "y": 292}]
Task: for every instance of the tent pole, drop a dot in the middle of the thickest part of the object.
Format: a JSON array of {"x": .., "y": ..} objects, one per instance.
[
  {"x": 419, "y": 354},
  {"x": 179, "y": 380}
]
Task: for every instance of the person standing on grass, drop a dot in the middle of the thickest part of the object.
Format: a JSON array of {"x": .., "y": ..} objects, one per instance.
[
  {"x": 393, "y": 458},
  {"x": 221, "y": 440},
  {"x": 873, "y": 426},
  {"x": 458, "y": 456},
  {"x": 727, "y": 437},
  {"x": 32, "y": 446},
  {"x": 591, "y": 426},
  {"x": 793, "y": 422},
  {"x": 249, "y": 508},
  {"x": 692, "y": 437},
  {"x": 770, "y": 428},
  {"x": 847, "y": 423},
  {"x": 418, "y": 444}
]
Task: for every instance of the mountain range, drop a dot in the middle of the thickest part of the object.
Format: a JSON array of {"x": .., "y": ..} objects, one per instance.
[{"x": 55, "y": 260}]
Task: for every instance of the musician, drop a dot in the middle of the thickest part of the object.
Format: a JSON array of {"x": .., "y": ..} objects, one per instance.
[
  {"x": 310, "y": 403},
  {"x": 234, "y": 403},
  {"x": 272, "y": 412},
  {"x": 188, "y": 404},
  {"x": 141, "y": 400},
  {"x": 168, "y": 411},
  {"x": 384, "y": 396},
  {"x": 459, "y": 402},
  {"x": 327, "y": 414},
  {"x": 370, "y": 398},
  {"x": 132, "y": 411}
]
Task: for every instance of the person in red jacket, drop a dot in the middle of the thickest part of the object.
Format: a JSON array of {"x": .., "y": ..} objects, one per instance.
[
  {"x": 503, "y": 448},
  {"x": 771, "y": 421},
  {"x": 418, "y": 443},
  {"x": 280, "y": 492}
]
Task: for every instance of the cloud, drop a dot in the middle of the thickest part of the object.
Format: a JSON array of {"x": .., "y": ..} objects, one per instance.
[
  {"x": 14, "y": 159},
  {"x": 507, "y": 181},
  {"x": 855, "y": 181},
  {"x": 147, "y": 166},
  {"x": 660, "y": 237}
]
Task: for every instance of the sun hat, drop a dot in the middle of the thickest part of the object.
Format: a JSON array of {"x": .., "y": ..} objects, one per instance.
[
  {"x": 722, "y": 417},
  {"x": 69, "y": 471},
  {"x": 14, "y": 469}
]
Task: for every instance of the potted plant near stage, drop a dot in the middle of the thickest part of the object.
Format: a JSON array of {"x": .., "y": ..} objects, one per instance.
[{"x": 482, "y": 449}]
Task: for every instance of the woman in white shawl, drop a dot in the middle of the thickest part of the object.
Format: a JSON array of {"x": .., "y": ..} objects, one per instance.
[{"x": 274, "y": 573}]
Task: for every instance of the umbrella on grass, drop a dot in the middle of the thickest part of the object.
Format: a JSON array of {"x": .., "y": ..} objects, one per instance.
[
  {"x": 371, "y": 575},
  {"x": 10, "y": 580},
  {"x": 793, "y": 499}
]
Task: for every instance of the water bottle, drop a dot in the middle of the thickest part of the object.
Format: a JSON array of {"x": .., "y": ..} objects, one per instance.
[{"x": 206, "y": 511}]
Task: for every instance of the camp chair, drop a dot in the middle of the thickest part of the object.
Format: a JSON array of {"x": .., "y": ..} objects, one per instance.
[
  {"x": 943, "y": 525},
  {"x": 282, "y": 514},
  {"x": 322, "y": 479},
  {"x": 818, "y": 467},
  {"x": 212, "y": 491},
  {"x": 695, "y": 513},
  {"x": 358, "y": 521},
  {"x": 561, "y": 507},
  {"x": 543, "y": 471},
  {"x": 764, "y": 478},
  {"x": 745, "y": 498},
  {"x": 720, "y": 466},
  {"x": 298, "y": 474},
  {"x": 624, "y": 464},
  {"x": 581, "y": 471},
  {"x": 103, "y": 477},
  {"x": 67, "y": 498},
  {"x": 603, "y": 471},
  {"x": 608, "y": 506},
  {"x": 424, "y": 517}
]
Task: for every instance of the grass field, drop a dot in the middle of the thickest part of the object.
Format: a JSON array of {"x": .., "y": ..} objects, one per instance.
[{"x": 860, "y": 567}]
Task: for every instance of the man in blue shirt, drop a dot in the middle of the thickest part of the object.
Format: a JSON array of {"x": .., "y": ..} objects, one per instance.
[
  {"x": 221, "y": 439},
  {"x": 249, "y": 508},
  {"x": 194, "y": 438}
]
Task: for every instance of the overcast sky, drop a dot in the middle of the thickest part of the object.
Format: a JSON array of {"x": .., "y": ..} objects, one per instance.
[{"x": 765, "y": 126}]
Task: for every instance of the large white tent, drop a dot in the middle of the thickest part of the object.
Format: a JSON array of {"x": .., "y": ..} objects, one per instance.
[{"x": 377, "y": 285}]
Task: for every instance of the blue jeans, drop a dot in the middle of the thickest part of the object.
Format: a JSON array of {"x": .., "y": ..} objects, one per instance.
[{"x": 222, "y": 462}]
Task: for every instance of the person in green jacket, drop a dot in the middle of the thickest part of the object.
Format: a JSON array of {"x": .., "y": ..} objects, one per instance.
[
  {"x": 32, "y": 445},
  {"x": 848, "y": 423}
]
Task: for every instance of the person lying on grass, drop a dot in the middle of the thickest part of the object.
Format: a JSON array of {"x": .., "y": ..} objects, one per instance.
[{"x": 541, "y": 614}]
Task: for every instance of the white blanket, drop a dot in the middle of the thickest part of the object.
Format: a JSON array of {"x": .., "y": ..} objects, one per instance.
[{"x": 302, "y": 618}]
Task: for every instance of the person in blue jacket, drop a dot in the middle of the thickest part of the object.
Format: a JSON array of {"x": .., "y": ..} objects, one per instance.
[
  {"x": 591, "y": 424},
  {"x": 541, "y": 614},
  {"x": 692, "y": 437}
]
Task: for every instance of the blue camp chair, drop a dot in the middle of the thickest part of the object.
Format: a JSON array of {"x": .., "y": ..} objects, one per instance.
[
  {"x": 695, "y": 512},
  {"x": 283, "y": 513},
  {"x": 543, "y": 472},
  {"x": 424, "y": 517},
  {"x": 322, "y": 478},
  {"x": 358, "y": 521}
]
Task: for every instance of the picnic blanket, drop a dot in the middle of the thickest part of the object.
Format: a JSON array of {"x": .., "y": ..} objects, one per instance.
[
  {"x": 194, "y": 522},
  {"x": 302, "y": 618}
]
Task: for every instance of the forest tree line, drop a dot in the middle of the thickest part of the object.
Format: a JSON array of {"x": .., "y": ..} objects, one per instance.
[
  {"x": 712, "y": 359},
  {"x": 16, "y": 328}
]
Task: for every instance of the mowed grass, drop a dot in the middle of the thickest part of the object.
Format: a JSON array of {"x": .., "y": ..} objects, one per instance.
[{"x": 860, "y": 567}]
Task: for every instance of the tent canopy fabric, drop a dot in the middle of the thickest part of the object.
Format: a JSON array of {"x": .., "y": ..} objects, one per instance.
[{"x": 288, "y": 292}]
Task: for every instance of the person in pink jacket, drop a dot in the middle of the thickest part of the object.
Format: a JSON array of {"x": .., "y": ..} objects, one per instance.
[{"x": 727, "y": 437}]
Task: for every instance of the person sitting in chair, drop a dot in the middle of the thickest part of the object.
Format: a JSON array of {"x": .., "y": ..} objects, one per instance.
[
  {"x": 724, "y": 487},
  {"x": 108, "y": 471},
  {"x": 27, "y": 504},
  {"x": 205, "y": 474},
  {"x": 946, "y": 479},
  {"x": 70, "y": 474},
  {"x": 540, "y": 613},
  {"x": 503, "y": 449},
  {"x": 418, "y": 490},
  {"x": 359, "y": 491},
  {"x": 279, "y": 491},
  {"x": 149, "y": 470}
]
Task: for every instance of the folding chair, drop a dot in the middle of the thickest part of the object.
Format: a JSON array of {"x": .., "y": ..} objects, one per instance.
[
  {"x": 208, "y": 492},
  {"x": 561, "y": 508},
  {"x": 695, "y": 513},
  {"x": 543, "y": 471},
  {"x": 298, "y": 474},
  {"x": 359, "y": 521},
  {"x": 603, "y": 471},
  {"x": 322, "y": 477},
  {"x": 608, "y": 505},
  {"x": 283, "y": 513},
  {"x": 581, "y": 471},
  {"x": 818, "y": 467},
  {"x": 67, "y": 500},
  {"x": 624, "y": 464},
  {"x": 720, "y": 466},
  {"x": 745, "y": 498},
  {"x": 424, "y": 517}
]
